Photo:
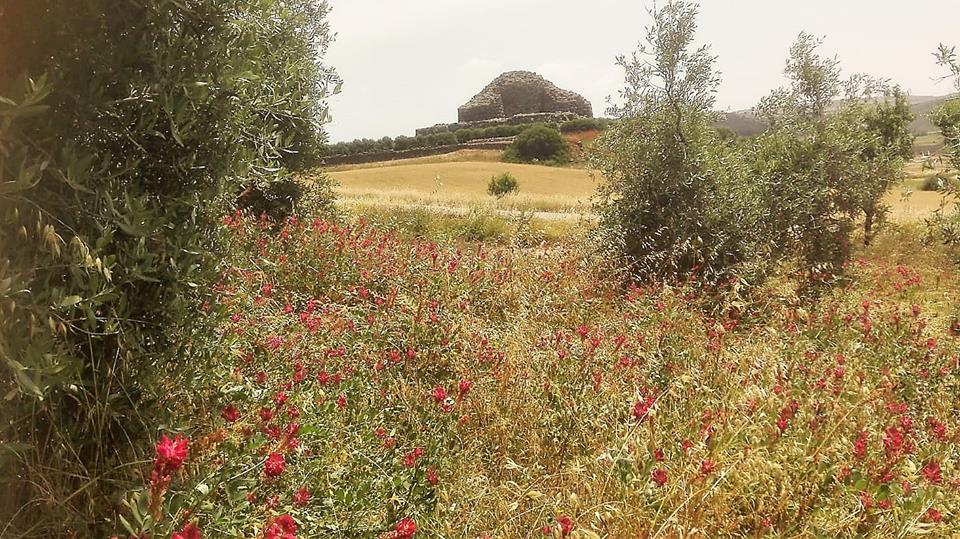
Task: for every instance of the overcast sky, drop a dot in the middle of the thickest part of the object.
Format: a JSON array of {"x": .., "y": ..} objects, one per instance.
[{"x": 411, "y": 63}]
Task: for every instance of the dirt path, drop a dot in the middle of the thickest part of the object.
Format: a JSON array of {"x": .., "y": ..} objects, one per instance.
[{"x": 569, "y": 217}]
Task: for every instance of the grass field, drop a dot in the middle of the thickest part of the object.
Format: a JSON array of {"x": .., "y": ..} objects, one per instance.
[
  {"x": 464, "y": 183},
  {"x": 459, "y": 180}
]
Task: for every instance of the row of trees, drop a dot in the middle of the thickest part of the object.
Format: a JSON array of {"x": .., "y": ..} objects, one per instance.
[
  {"x": 679, "y": 200},
  {"x": 127, "y": 129},
  {"x": 434, "y": 140},
  {"x": 459, "y": 136}
]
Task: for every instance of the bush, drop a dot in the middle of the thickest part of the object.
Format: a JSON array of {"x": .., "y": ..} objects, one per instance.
[
  {"x": 677, "y": 200},
  {"x": 584, "y": 124},
  {"x": 128, "y": 132},
  {"x": 939, "y": 182},
  {"x": 502, "y": 185},
  {"x": 538, "y": 143}
]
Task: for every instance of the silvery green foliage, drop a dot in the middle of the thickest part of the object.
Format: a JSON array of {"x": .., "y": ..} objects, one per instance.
[
  {"x": 944, "y": 225},
  {"x": 674, "y": 202},
  {"x": 126, "y": 130}
]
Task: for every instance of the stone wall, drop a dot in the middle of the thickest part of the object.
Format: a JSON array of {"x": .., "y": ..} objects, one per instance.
[
  {"x": 519, "y": 119},
  {"x": 522, "y": 92}
]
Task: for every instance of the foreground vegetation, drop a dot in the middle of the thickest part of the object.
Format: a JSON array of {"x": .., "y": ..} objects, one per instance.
[
  {"x": 366, "y": 385},
  {"x": 194, "y": 345}
]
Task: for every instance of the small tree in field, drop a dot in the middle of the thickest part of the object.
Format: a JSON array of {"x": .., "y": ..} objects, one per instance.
[
  {"x": 944, "y": 225},
  {"x": 832, "y": 152},
  {"x": 539, "y": 143},
  {"x": 502, "y": 185},
  {"x": 675, "y": 200}
]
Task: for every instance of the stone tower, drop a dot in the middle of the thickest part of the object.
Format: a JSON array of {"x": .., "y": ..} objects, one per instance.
[{"x": 522, "y": 92}]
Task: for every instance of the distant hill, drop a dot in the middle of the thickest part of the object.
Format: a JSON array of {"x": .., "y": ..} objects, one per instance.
[{"x": 746, "y": 124}]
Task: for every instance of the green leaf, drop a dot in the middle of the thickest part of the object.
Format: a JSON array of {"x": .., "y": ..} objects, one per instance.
[{"x": 70, "y": 301}]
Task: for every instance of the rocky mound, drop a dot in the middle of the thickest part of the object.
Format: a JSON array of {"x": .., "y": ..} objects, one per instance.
[{"x": 522, "y": 92}]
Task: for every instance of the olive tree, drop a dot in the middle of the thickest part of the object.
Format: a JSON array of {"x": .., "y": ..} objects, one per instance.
[
  {"x": 127, "y": 130},
  {"x": 834, "y": 149},
  {"x": 675, "y": 202},
  {"x": 944, "y": 225}
]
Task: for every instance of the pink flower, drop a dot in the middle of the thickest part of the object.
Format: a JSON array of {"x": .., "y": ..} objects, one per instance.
[
  {"x": 706, "y": 467},
  {"x": 566, "y": 525},
  {"x": 274, "y": 465}
]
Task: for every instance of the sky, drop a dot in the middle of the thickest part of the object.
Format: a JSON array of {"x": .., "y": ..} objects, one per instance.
[{"x": 410, "y": 63}]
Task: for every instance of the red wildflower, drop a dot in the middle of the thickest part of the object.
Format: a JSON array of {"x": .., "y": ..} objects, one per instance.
[
  {"x": 439, "y": 394},
  {"x": 659, "y": 477},
  {"x": 641, "y": 409},
  {"x": 860, "y": 446},
  {"x": 934, "y": 515},
  {"x": 301, "y": 497},
  {"x": 405, "y": 529},
  {"x": 432, "y": 477},
  {"x": 411, "y": 458},
  {"x": 190, "y": 531},
  {"x": 893, "y": 441},
  {"x": 342, "y": 401},
  {"x": 171, "y": 453},
  {"x": 566, "y": 525},
  {"x": 282, "y": 527},
  {"x": 274, "y": 465},
  {"x": 938, "y": 429},
  {"x": 230, "y": 413},
  {"x": 706, "y": 467},
  {"x": 932, "y": 472}
]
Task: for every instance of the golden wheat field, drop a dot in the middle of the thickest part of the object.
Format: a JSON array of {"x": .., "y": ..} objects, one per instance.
[
  {"x": 464, "y": 184},
  {"x": 459, "y": 180}
]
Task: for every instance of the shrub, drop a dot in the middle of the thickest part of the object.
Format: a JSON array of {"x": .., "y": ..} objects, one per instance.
[
  {"x": 939, "y": 182},
  {"x": 676, "y": 200},
  {"x": 538, "y": 143},
  {"x": 584, "y": 124},
  {"x": 127, "y": 133},
  {"x": 944, "y": 225},
  {"x": 502, "y": 185}
]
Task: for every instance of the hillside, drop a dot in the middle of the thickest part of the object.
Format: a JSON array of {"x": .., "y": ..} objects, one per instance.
[{"x": 746, "y": 124}]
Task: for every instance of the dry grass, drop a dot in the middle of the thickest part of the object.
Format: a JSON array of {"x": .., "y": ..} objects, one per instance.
[
  {"x": 908, "y": 202},
  {"x": 457, "y": 156},
  {"x": 464, "y": 184},
  {"x": 460, "y": 179}
]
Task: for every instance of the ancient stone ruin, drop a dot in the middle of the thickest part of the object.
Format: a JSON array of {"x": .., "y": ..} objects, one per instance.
[
  {"x": 522, "y": 92},
  {"x": 515, "y": 98}
]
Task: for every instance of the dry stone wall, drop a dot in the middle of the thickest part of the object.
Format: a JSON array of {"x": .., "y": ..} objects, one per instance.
[{"x": 519, "y": 119}]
